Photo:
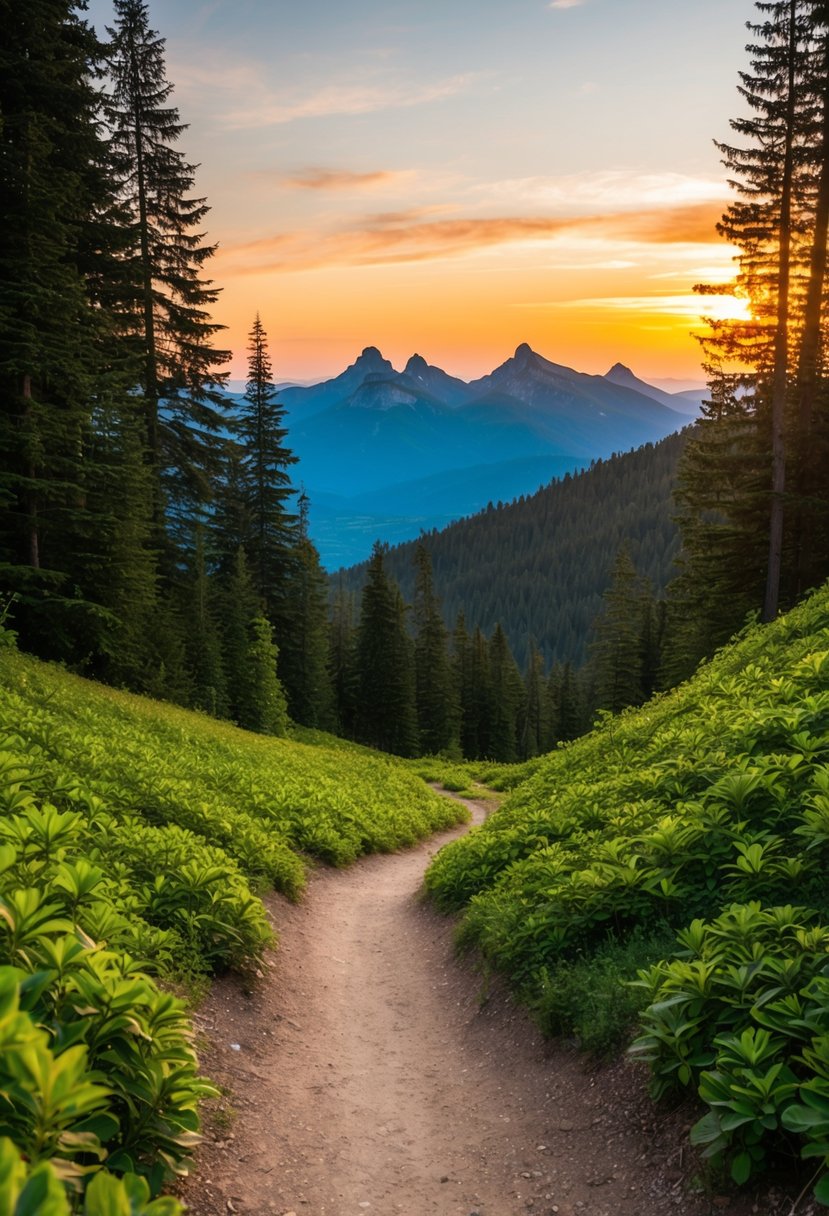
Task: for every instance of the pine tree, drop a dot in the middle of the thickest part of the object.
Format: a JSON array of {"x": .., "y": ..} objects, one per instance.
[
  {"x": 617, "y": 651},
  {"x": 303, "y": 658},
  {"x": 477, "y": 723},
  {"x": 748, "y": 522},
  {"x": 461, "y": 683},
  {"x": 204, "y": 645},
  {"x": 265, "y": 464},
  {"x": 568, "y": 718},
  {"x": 386, "y": 716},
  {"x": 114, "y": 560},
  {"x": 342, "y": 671},
  {"x": 436, "y": 715},
  {"x": 507, "y": 693},
  {"x": 237, "y": 607},
  {"x": 533, "y": 718},
  {"x": 57, "y": 245},
  {"x": 164, "y": 306},
  {"x": 265, "y": 709}
]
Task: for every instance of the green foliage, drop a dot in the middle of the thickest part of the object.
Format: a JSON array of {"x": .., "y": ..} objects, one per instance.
[
  {"x": 704, "y": 812},
  {"x": 267, "y": 709},
  {"x": 130, "y": 835},
  {"x": 386, "y": 714},
  {"x": 592, "y": 997},
  {"x": 25, "y": 1189}
]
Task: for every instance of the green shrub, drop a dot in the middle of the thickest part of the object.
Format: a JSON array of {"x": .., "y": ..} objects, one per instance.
[
  {"x": 132, "y": 835},
  {"x": 707, "y": 811},
  {"x": 593, "y": 998}
]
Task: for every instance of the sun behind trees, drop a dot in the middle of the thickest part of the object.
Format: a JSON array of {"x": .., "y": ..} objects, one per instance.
[{"x": 753, "y": 488}]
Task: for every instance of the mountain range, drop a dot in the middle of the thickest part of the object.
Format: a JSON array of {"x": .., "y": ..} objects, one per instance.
[{"x": 387, "y": 454}]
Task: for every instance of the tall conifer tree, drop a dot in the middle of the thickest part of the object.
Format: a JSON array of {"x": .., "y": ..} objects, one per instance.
[
  {"x": 342, "y": 670},
  {"x": 58, "y": 244},
  {"x": 386, "y": 714},
  {"x": 303, "y": 658},
  {"x": 617, "y": 652},
  {"x": 507, "y": 695},
  {"x": 436, "y": 715},
  {"x": 164, "y": 305},
  {"x": 265, "y": 461},
  {"x": 749, "y": 520}
]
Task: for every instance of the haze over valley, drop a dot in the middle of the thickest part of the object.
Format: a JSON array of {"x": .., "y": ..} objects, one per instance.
[{"x": 386, "y": 454}]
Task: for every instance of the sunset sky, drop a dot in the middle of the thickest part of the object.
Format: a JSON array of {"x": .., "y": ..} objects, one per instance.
[{"x": 454, "y": 177}]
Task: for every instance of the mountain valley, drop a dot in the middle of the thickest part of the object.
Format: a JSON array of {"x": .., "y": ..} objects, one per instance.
[{"x": 387, "y": 454}]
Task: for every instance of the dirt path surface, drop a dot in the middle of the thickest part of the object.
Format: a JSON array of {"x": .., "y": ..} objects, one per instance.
[{"x": 367, "y": 1076}]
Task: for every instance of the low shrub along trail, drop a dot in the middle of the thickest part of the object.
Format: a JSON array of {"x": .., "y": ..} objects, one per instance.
[{"x": 367, "y": 1074}]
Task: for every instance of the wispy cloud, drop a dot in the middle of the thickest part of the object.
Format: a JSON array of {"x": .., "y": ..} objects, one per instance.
[
  {"x": 565, "y": 3},
  {"x": 336, "y": 179},
  {"x": 612, "y": 188},
  {"x": 345, "y": 99},
  {"x": 689, "y": 225},
  {"x": 243, "y": 97},
  {"x": 688, "y": 306},
  {"x": 413, "y": 236}
]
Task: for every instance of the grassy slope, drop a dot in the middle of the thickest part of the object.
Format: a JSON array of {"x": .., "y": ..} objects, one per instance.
[
  {"x": 133, "y": 839},
  {"x": 709, "y": 805}
]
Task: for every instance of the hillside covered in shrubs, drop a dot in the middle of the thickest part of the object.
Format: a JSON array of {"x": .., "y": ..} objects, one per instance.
[
  {"x": 134, "y": 839},
  {"x": 669, "y": 871}
]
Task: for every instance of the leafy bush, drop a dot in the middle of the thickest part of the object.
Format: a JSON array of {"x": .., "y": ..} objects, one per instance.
[
  {"x": 131, "y": 834},
  {"x": 705, "y": 811},
  {"x": 593, "y": 998},
  {"x": 25, "y": 1190}
]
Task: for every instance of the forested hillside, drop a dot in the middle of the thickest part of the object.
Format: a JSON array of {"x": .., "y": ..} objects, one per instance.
[
  {"x": 539, "y": 566},
  {"x": 686, "y": 841},
  {"x": 133, "y": 841}
]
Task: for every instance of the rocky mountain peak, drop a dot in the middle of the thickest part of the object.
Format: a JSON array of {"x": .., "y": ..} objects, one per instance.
[
  {"x": 373, "y": 358},
  {"x": 619, "y": 371},
  {"x": 416, "y": 366}
]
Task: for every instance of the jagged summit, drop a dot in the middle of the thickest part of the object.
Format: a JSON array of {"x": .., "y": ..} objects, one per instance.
[
  {"x": 435, "y": 381},
  {"x": 618, "y": 371},
  {"x": 417, "y": 365},
  {"x": 625, "y": 378},
  {"x": 371, "y": 359}
]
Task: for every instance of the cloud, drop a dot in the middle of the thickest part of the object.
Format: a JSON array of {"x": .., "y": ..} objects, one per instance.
[
  {"x": 337, "y": 179},
  {"x": 415, "y": 236},
  {"x": 689, "y": 306},
  {"x": 690, "y": 225},
  {"x": 618, "y": 189},
  {"x": 342, "y": 99},
  {"x": 565, "y": 3},
  {"x": 241, "y": 94}
]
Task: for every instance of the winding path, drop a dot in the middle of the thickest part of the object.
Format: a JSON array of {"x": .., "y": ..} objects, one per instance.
[{"x": 368, "y": 1075}]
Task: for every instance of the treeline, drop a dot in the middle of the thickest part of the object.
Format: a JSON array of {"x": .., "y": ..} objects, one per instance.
[
  {"x": 149, "y": 537},
  {"x": 541, "y": 565},
  {"x": 153, "y": 539},
  {"x": 405, "y": 683}
]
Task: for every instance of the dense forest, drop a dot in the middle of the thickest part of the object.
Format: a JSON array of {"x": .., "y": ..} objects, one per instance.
[{"x": 540, "y": 565}]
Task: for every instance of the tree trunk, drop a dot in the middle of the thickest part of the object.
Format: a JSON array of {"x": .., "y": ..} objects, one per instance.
[
  {"x": 807, "y": 379},
  {"x": 781, "y": 346},
  {"x": 31, "y": 495}
]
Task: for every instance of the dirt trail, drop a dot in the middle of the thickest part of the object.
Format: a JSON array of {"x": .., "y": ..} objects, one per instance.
[{"x": 367, "y": 1076}]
